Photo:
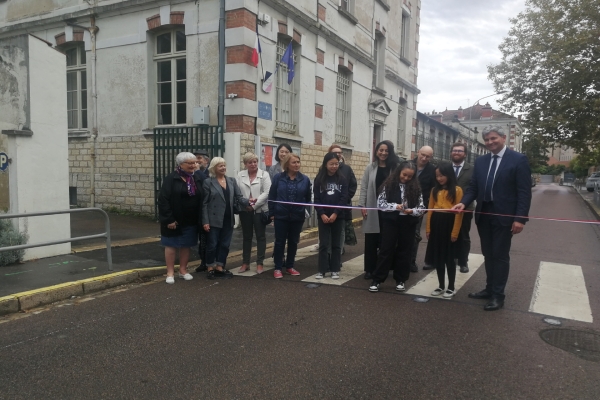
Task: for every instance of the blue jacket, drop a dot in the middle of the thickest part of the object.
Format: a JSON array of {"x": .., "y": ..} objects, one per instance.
[
  {"x": 511, "y": 190},
  {"x": 285, "y": 189}
]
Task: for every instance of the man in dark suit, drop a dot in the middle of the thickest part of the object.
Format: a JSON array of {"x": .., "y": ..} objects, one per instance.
[
  {"x": 426, "y": 175},
  {"x": 464, "y": 172},
  {"x": 501, "y": 184}
]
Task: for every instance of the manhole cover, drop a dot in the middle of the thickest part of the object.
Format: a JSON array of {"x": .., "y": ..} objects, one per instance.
[
  {"x": 583, "y": 344},
  {"x": 312, "y": 285}
]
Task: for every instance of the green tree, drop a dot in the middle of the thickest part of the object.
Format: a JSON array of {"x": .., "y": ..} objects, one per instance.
[
  {"x": 550, "y": 70},
  {"x": 535, "y": 148}
]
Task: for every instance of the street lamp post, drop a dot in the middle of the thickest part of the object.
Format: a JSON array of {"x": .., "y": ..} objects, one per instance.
[{"x": 471, "y": 112}]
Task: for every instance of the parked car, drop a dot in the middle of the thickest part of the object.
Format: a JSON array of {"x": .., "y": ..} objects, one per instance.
[{"x": 590, "y": 184}]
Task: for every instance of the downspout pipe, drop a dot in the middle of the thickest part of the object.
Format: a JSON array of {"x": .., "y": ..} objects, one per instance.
[
  {"x": 221, "y": 112},
  {"x": 93, "y": 31}
]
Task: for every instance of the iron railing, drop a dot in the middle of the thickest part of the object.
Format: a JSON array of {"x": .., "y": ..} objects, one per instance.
[
  {"x": 441, "y": 150},
  {"x": 105, "y": 234},
  {"x": 170, "y": 141}
]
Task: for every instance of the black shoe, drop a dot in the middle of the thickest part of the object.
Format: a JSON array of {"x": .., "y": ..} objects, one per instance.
[
  {"x": 494, "y": 305},
  {"x": 480, "y": 295},
  {"x": 414, "y": 268},
  {"x": 223, "y": 274},
  {"x": 201, "y": 268},
  {"x": 427, "y": 267},
  {"x": 374, "y": 287},
  {"x": 368, "y": 276},
  {"x": 464, "y": 269},
  {"x": 210, "y": 274}
]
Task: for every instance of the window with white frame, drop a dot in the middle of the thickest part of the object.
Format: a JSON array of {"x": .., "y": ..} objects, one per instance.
[
  {"x": 171, "y": 77},
  {"x": 401, "y": 128},
  {"x": 347, "y": 5},
  {"x": 76, "y": 88},
  {"x": 285, "y": 95},
  {"x": 405, "y": 36},
  {"x": 342, "y": 104}
]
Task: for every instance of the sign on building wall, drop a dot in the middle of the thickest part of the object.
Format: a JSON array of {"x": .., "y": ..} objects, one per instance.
[
  {"x": 3, "y": 162},
  {"x": 265, "y": 111}
]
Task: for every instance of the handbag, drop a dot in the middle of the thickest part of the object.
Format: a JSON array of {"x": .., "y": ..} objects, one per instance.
[{"x": 264, "y": 218}]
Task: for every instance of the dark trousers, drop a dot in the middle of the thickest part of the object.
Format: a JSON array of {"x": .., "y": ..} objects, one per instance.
[
  {"x": 441, "y": 273},
  {"x": 463, "y": 245},
  {"x": 495, "y": 246},
  {"x": 217, "y": 247},
  {"x": 286, "y": 231},
  {"x": 202, "y": 241},
  {"x": 251, "y": 223},
  {"x": 397, "y": 238},
  {"x": 372, "y": 243},
  {"x": 330, "y": 235},
  {"x": 416, "y": 240}
]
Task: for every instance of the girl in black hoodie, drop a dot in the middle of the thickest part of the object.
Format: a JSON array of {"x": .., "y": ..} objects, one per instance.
[{"x": 331, "y": 189}]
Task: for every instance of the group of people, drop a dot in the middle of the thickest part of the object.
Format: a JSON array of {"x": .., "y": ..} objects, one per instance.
[{"x": 395, "y": 197}]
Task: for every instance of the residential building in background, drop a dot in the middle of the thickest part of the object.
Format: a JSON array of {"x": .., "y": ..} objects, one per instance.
[{"x": 140, "y": 70}]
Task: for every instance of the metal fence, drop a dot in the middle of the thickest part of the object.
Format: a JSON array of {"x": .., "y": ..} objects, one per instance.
[
  {"x": 168, "y": 142},
  {"x": 105, "y": 234},
  {"x": 441, "y": 149}
]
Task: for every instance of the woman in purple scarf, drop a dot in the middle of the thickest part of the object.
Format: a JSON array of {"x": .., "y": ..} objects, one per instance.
[{"x": 179, "y": 213}]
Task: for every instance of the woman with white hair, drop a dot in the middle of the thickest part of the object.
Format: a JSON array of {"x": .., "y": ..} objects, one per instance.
[
  {"x": 254, "y": 184},
  {"x": 222, "y": 197},
  {"x": 179, "y": 211}
]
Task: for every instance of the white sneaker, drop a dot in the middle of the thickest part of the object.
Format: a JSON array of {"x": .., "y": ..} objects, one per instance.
[
  {"x": 400, "y": 287},
  {"x": 437, "y": 292},
  {"x": 335, "y": 275},
  {"x": 319, "y": 276},
  {"x": 448, "y": 294},
  {"x": 170, "y": 280},
  {"x": 187, "y": 277},
  {"x": 314, "y": 248}
]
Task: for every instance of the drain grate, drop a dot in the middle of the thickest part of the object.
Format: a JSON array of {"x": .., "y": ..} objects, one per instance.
[{"x": 584, "y": 344}]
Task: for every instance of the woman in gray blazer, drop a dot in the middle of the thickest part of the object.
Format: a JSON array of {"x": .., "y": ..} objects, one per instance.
[
  {"x": 222, "y": 197},
  {"x": 385, "y": 161}
]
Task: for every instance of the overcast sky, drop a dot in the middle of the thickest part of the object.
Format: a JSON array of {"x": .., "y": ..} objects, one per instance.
[{"x": 459, "y": 38}]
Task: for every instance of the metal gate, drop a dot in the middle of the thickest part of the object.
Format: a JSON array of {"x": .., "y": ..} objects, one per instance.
[{"x": 168, "y": 142}]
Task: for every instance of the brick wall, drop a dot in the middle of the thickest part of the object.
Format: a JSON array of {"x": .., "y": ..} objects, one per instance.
[{"x": 124, "y": 172}]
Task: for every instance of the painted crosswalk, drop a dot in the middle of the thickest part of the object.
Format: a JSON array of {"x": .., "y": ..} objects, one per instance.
[{"x": 559, "y": 291}]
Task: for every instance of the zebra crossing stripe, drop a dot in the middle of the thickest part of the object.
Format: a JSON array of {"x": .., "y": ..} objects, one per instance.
[
  {"x": 428, "y": 284},
  {"x": 268, "y": 263},
  {"x": 560, "y": 292},
  {"x": 350, "y": 270}
]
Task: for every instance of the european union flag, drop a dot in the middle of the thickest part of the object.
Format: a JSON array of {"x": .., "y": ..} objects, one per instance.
[{"x": 288, "y": 60}]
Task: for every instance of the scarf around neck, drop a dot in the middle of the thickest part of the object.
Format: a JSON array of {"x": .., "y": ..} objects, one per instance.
[{"x": 189, "y": 181}]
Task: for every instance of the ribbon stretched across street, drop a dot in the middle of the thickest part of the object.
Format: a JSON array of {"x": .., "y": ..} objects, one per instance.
[{"x": 578, "y": 221}]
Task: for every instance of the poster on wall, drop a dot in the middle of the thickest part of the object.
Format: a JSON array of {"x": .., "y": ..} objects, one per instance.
[{"x": 267, "y": 155}]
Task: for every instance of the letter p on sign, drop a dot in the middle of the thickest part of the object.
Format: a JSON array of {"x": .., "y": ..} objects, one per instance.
[{"x": 3, "y": 161}]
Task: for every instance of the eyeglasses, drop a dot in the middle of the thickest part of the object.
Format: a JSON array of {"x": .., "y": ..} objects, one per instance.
[
  {"x": 458, "y": 151},
  {"x": 191, "y": 162}
]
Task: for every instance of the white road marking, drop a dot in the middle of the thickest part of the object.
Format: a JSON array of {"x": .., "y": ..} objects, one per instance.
[
  {"x": 428, "y": 284},
  {"x": 350, "y": 270},
  {"x": 560, "y": 292},
  {"x": 268, "y": 263}
]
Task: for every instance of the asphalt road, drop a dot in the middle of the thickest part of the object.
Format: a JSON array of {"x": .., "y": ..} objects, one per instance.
[{"x": 258, "y": 337}]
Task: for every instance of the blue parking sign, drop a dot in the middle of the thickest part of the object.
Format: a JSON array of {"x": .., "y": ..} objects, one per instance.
[{"x": 3, "y": 161}]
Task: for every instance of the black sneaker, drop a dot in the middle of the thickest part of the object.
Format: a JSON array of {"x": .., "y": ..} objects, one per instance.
[
  {"x": 414, "y": 268},
  {"x": 211, "y": 274},
  {"x": 374, "y": 287},
  {"x": 223, "y": 274},
  {"x": 201, "y": 268},
  {"x": 464, "y": 268}
]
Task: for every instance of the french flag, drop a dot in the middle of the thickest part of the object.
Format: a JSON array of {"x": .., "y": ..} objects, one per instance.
[{"x": 256, "y": 51}]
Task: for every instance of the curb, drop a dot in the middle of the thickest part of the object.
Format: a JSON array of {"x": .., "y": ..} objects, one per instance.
[
  {"x": 23, "y": 301},
  {"x": 590, "y": 203}
]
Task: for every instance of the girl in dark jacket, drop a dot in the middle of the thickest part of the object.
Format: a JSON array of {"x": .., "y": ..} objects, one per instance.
[
  {"x": 331, "y": 188},
  {"x": 179, "y": 213},
  {"x": 288, "y": 186}
]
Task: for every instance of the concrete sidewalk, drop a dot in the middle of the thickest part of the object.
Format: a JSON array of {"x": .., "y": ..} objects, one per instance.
[{"x": 588, "y": 197}]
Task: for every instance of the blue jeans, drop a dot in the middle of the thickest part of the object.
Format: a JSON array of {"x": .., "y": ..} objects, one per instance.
[
  {"x": 286, "y": 231},
  {"x": 217, "y": 245}
]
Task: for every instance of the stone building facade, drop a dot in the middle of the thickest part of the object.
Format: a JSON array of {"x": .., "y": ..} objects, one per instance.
[{"x": 133, "y": 66}]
